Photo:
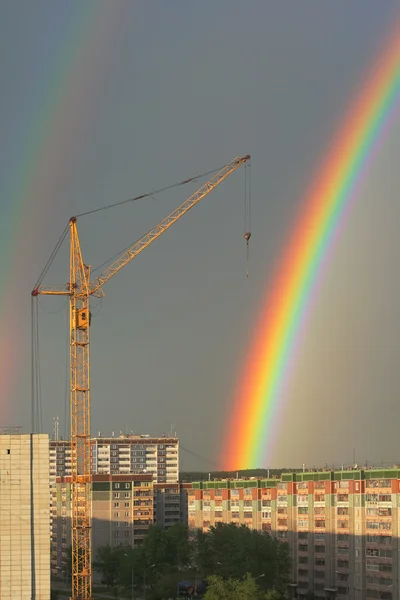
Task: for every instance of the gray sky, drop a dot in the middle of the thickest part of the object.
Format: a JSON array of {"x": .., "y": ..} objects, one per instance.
[{"x": 115, "y": 99}]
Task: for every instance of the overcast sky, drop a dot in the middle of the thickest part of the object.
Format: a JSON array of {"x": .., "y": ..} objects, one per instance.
[{"x": 105, "y": 100}]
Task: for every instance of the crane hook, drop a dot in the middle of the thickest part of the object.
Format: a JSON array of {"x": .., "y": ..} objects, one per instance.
[{"x": 247, "y": 237}]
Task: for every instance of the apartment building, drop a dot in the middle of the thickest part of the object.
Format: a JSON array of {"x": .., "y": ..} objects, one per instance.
[
  {"x": 60, "y": 459},
  {"x": 24, "y": 517},
  {"x": 342, "y": 526},
  {"x": 122, "y": 512},
  {"x": 170, "y": 503},
  {"x": 122, "y": 455}
]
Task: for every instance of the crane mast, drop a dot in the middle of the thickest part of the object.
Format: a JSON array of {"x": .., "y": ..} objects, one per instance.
[
  {"x": 81, "y": 505},
  {"x": 79, "y": 289}
]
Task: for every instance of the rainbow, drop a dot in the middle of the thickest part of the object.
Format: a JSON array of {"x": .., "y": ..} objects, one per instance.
[
  {"x": 250, "y": 432},
  {"x": 43, "y": 145}
]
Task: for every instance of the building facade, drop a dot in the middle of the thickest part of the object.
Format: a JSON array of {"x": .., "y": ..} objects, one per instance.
[
  {"x": 125, "y": 454},
  {"x": 24, "y": 517},
  {"x": 342, "y": 527},
  {"x": 122, "y": 512},
  {"x": 170, "y": 504}
]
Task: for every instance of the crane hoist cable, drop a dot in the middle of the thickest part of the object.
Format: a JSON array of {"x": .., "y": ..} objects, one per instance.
[
  {"x": 247, "y": 212},
  {"x": 36, "y": 385}
]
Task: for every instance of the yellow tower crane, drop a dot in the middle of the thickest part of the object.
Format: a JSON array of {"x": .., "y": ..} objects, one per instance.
[{"x": 79, "y": 289}]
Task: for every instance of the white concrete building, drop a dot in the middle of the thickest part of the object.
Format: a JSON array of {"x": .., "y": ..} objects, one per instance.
[
  {"x": 24, "y": 517},
  {"x": 125, "y": 454}
]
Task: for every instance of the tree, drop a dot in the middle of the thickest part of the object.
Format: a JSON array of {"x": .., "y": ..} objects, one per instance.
[
  {"x": 107, "y": 563},
  {"x": 273, "y": 594},
  {"x": 232, "y": 589},
  {"x": 166, "y": 557},
  {"x": 178, "y": 547},
  {"x": 168, "y": 550},
  {"x": 231, "y": 552}
]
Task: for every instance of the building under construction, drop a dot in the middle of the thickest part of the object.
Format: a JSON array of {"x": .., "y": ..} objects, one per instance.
[{"x": 24, "y": 517}]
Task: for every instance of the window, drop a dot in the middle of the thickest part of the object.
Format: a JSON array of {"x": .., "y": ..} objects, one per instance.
[
  {"x": 116, "y": 523},
  {"x": 116, "y": 486},
  {"x": 127, "y": 504},
  {"x": 302, "y": 523},
  {"x": 127, "y": 486},
  {"x": 116, "y": 514},
  {"x": 343, "y": 510},
  {"x": 342, "y": 497},
  {"x": 343, "y": 564},
  {"x": 282, "y": 534},
  {"x": 116, "y": 494},
  {"x": 385, "y": 497},
  {"x": 116, "y": 504},
  {"x": 127, "y": 494},
  {"x": 371, "y": 497},
  {"x": 127, "y": 514},
  {"x": 379, "y": 483}
]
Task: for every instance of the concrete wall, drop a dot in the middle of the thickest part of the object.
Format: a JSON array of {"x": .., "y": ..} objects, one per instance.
[{"x": 24, "y": 517}]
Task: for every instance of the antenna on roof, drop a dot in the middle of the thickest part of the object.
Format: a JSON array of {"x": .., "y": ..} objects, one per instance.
[{"x": 56, "y": 429}]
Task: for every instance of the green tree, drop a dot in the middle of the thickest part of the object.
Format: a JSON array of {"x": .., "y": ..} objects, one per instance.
[
  {"x": 178, "y": 547},
  {"x": 232, "y": 589},
  {"x": 168, "y": 550},
  {"x": 273, "y": 594},
  {"x": 107, "y": 563},
  {"x": 231, "y": 552}
]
